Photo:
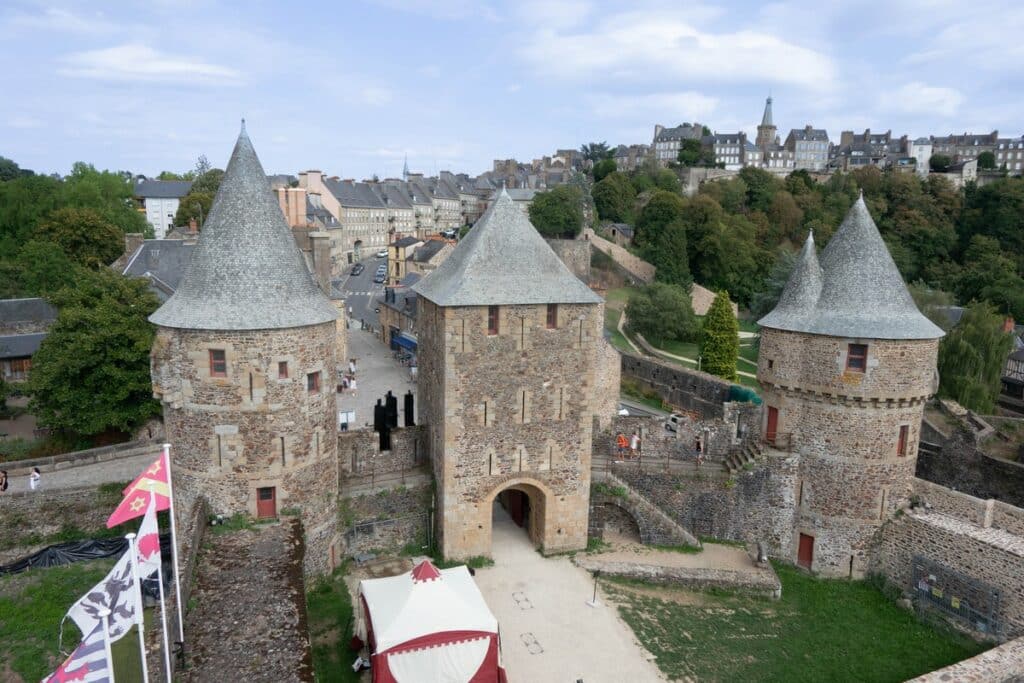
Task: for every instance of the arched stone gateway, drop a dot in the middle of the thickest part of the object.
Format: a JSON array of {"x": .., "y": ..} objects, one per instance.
[{"x": 525, "y": 501}]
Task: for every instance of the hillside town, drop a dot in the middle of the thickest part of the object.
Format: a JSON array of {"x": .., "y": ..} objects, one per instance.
[{"x": 743, "y": 400}]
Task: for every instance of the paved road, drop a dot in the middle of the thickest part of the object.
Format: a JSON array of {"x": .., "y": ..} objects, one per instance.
[
  {"x": 360, "y": 291},
  {"x": 124, "y": 470},
  {"x": 377, "y": 372}
]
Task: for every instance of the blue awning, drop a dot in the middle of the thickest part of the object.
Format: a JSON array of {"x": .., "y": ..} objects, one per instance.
[{"x": 405, "y": 340}]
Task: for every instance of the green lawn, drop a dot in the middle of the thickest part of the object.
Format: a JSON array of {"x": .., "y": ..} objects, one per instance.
[
  {"x": 820, "y": 630},
  {"x": 611, "y": 323},
  {"x": 33, "y": 603},
  {"x": 617, "y": 298},
  {"x": 329, "y": 613}
]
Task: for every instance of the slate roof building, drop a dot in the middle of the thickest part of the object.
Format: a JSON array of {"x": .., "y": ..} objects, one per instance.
[
  {"x": 667, "y": 141},
  {"x": 846, "y": 364},
  {"x": 160, "y": 200},
  {"x": 162, "y": 262},
  {"x": 23, "y": 326},
  {"x": 809, "y": 146}
]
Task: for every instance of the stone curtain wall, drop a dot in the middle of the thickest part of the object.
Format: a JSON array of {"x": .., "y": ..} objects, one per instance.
[
  {"x": 984, "y": 513},
  {"x": 634, "y": 265},
  {"x": 359, "y": 451},
  {"x": 386, "y": 521},
  {"x": 575, "y": 254},
  {"x": 251, "y": 429},
  {"x": 21, "y": 468},
  {"x": 687, "y": 390},
  {"x": 1003, "y": 664},
  {"x": 658, "y": 444},
  {"x": 27, "y": 517},
  {"x": 961, "y": 465}
]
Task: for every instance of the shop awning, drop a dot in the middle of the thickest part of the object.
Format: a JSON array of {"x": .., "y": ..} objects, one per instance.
[{"x": 406, "y": 341}]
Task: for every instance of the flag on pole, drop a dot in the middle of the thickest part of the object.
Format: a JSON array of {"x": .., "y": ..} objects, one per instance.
[
  {"x": 136, "y": 494},
  {"x": 87, "y": 664},
  {"x": 117, "y": 593},
  {"x": 147, "y": 543}
]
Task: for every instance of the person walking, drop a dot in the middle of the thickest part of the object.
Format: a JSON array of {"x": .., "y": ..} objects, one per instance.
[
  {"x": 352, "y": 366},
  {"x": 621, "y": 444},
  {"x": 352, "y": 385},
  {"x": 3, "y": 481},
  {"x": 33, "y": 479},
  {"x": 634, "y": 444}
]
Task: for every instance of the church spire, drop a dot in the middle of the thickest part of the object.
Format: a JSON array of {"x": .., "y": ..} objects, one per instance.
[
  {"x": 766, "y": 120},
  {"x": 405, "y": 168}
]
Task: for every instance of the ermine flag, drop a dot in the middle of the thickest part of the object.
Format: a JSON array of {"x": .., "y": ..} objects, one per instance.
[
  {"x": 87, "y": 664},
  {"x": 136, "y": 495}
]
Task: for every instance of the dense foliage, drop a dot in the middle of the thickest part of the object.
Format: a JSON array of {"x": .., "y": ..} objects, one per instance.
[
  {"x": 558, "y": 213},
  {"x": 197, "y": 203},
  {"x": 971, "y": 358},
  {"x": 720, "y": 339},
  {"x": 662, "y": 312}
]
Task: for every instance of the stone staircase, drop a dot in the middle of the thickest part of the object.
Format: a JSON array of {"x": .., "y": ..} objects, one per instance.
[
  {"x": 657, "y": 527},
  {"x": 747, "y": 454}
]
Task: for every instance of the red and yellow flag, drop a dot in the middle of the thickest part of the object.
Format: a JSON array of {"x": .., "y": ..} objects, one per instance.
[{"x": 136, "y": 495}]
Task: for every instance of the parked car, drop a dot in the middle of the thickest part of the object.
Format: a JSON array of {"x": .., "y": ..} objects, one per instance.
[
  {"x": 673, "y": 421},
  {"x": 379, "y": 278},
  {"x": 383, "y": 253},
  {"x": 357, "y": 269}
]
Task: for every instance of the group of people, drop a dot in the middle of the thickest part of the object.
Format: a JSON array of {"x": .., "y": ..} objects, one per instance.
[
  {"x": 348, "y": 379},
  {"x": 632, "y": 444},
  {"x": 34, "y": 479}
]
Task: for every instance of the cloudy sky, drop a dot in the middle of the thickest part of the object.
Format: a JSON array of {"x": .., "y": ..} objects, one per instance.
[{"x": 351, "y": 87}]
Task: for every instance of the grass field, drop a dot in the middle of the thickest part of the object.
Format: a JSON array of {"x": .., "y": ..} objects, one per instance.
[
  {"x": 820, "y": 630},
  {"x": 33, "y": 603},
  {"x": 329, "y": 613}
]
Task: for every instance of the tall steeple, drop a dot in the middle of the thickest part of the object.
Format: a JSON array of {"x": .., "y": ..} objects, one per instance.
[
  {"x": 766, "y": 119},
  {"x": 405, "y": 169},
  {"x": 766, "y": 131}
]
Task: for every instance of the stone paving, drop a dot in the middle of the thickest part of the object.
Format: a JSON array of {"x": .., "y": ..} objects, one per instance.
[
  {"x": 548, "y": 631},
  {"x": 124, "y": 469},
  {"x": 377, "y": 371}
]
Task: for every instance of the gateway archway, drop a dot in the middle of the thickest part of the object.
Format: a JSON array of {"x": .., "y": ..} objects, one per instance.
[{"x": 519, "y": 506}]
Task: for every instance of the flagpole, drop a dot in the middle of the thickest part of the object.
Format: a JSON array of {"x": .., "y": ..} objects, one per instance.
[
  {"x": 104, "y": 615},
  {"x": 174, "y": 547},
  {"x": 163, "y": 604},
  {"x": 139, "y": 617}
]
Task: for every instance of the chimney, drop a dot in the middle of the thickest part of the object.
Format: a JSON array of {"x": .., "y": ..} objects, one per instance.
[
  {"x": 193, "y": 226},
  {"x": 296, "y": 206}
]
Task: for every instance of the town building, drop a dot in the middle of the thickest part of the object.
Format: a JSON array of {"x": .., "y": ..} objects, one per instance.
[
  {"x": 809, "y": 147},
  {"x": 159, "y": 200},
  {"x": 668, "y": 141},
  {"x": 23, "y": 327},
  {"x": 630, "y": 157},
  {"x": 767, "y": 132},
  {"x": 729, "y": 149},
  {"x": 966, "y": 146},
  {"x": 920, "y": 150},
  {"x": 512, "y": 372},
  {"x": 846, "y": 364},
  {"x": 767, "y": 152},
  {"x": 398, "y": 253},
  {"x": 244, "y": 363},
  {"x": 1009, "y": 153},
  {"x": 961, "y": 173}
]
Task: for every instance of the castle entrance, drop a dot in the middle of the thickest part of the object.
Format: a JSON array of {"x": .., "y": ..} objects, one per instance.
[{"x": 518, "y": 511}]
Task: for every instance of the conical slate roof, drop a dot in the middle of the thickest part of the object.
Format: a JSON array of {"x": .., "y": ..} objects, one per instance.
[
  {"x": 766, "y": 119},
  {"x": 862, "y": 291},
  {"x": 800, "y": 293},
  {"x": 503, "y": 260},
  {"x": 246, "y": 272}
]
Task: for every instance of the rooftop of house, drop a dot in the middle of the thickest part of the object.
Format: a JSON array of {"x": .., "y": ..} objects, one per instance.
[
  {"x": 687, "y": 131},
  {"x": 246, "y": 272},
  {"x": 31, "y": 310},
  {"x": 20, "y": 345},
  {"x": 162, "y": 189},
  {"x": 353, "y": 194},
  {"x": 406, "y": 242},
  {"x": 428, "y": 250},
  {"x": 856, "y": 290},
  {"x": 503, "y": 260},
  {"x": 809, "y": 134},
  {"x": 162, "y": 262}
]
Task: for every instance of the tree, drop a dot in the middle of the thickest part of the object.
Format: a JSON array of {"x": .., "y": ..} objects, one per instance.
[
  {"x": 558, "y": 213},
  {"x": 195, "y": 205},
  {"x": 720, "y": 339},
  {"x": 603, "y": 168},
  {"x": 694, "y": 153},
  {"x": 987, "y": 160},
  {"x": 934, "y": 303},
  {"x": 595, "y": 151},
  {"x": 91, "y": 373},
  {"x": 939, "y": 163},
  {"x": 785, "y": 216},
  {"x": 662, "y": 312},
  {"x": 44, "y": 269},
  {"x": 208, "y": 182},
  {"x": 84, "y": 235},
  {"x": 761, "y": 187},
  {"x": 666, "y": 179},
  {"x": 764, "y": 300},
  {"x": 8, "y": 169},
  {"x": 110, "y": 194},
  {"x": 662, "y": 208},
  {"x": 669, "y": 256},
  {"x": 614, "y": 197},
  {"x": 971, "y": 358}
]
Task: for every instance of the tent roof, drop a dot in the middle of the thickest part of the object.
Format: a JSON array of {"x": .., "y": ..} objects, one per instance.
[{"x": 418, "y": 603}]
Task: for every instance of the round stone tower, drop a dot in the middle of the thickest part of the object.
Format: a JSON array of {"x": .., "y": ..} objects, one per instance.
[
  {"x": 846, "y": 362},
  {"x": 244, "y": 363}
]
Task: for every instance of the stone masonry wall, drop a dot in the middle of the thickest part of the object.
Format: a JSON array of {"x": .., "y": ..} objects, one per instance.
[
  {"x": 514, "y": 408},
  {"x": 1003, "y": 664},
  {"x": 575, "y": 254},
  {"x": 961, "y": 465},
  {"x": 687, "y": 390},
  {"x": 28, "y": 517},
  {"x": 257, "y": 426},
  {"x": 359, "y": 451},
  {"x": 634, "y": 265},
  {"x": 386, "y": 521}
]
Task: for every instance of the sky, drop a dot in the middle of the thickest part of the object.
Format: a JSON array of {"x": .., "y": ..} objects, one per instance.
[{"x": 353, "y": 87}]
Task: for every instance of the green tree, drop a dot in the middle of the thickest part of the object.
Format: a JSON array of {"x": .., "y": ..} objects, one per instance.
[
  {"x": 669, "y": 256},
  {"x": 558, "y": 213},
  {"x": 613, "y": 198},
  {"x": 109, "y": 194},
  {"x": 934, "y": 303},
  {"x": 595, "y": 151},
  {"x": 663, "y": 208},
  {"x": 761, "y": 187},
  {"x": 728, "y": 257},
  {"x": 720, "y": 339},
  {"x": 764, "y": 300},
  {"x": 23, "y": 203},
  {"x": 195, "y": 205},
  {"x": 667, "y": 180},
  {"x": 662, "y": 312},
  {"x": 603, "y": 168},
  {"x": 785, "y": 216},
  {"x": 91, "y": 373},
  {"x": 990, "y": 275},
  {"x": 987, "y": 160},
  {"x": 939, "y": 163},
  {"x": 694, "y": 153},
  {"x": 8, "y": 169},
  {"x": 44, "y": 269},
  {"x": 84, "y": 235},
  {"x": 971, "y": 358},
  {"x": 208, "y": 181}
]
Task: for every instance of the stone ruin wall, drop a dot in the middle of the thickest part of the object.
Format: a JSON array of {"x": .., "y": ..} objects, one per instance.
[
  {"x": 695, "y": 393},
  {"x": 962, "y": 465},
  {"x": 386, "y": 521},
  {"x": 359, "y": 452},
  {"x": 226, "y": 432}
]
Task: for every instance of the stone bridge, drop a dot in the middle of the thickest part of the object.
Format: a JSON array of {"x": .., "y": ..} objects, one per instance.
[{"x": 655, "y": 527}]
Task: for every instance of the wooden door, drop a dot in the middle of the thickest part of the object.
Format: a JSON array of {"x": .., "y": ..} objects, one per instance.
[
  {"x": 266, "y": 502},
  {"x": 805, "y": 553},
  {"x": 772, "y": 428}
]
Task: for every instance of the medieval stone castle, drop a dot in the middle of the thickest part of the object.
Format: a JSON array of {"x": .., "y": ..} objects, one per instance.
[{"x": 516, "y": 379}]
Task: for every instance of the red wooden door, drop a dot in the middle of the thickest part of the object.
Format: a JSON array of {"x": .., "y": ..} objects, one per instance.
[
  {"x": 772, "y": 428},
  {"x": 805, "y": 554},
  {"x": 266, "y": 502}
]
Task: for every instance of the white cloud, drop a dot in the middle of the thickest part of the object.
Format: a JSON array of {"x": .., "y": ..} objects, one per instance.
[
  {"x": 443, "y": 9},
  {"x": 683, "y": 106},
  {"x": 664, "y": 47},
  {"x": 135, "y": 62},
  {"x": 64, "y": 21},
  {"x": 920, "y": 98}
]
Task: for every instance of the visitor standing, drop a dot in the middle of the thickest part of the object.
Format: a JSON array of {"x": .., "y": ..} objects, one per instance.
[
  {"x": 352, "y": 385},
  {"x": 33, "y": 479},
  {"x": 352, "y": 366},
  {"x": 634, "y": 444},
  {"x": 621, "y": 444}
]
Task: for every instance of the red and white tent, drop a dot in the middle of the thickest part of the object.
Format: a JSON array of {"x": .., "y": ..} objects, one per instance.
[{"x": 430, "y": 625}]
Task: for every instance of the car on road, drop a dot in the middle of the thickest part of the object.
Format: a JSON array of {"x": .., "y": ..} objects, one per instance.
[
  {"x": 379, "y": 278},
  {"x": 383, "y": 253},
  {"x": 357, "y": 269},
  {"x": 673, "y": 421}
]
